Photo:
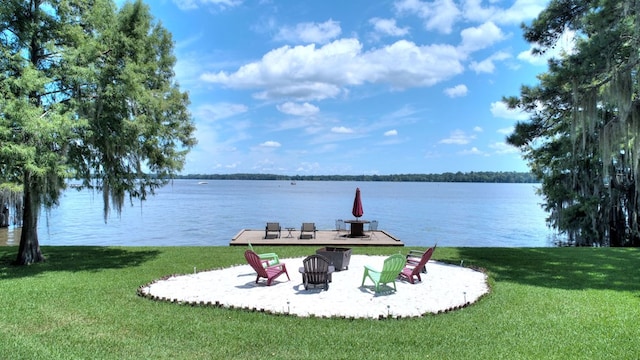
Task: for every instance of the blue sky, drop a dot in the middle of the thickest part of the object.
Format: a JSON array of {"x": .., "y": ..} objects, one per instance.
[{"x": 351, "y": 87}]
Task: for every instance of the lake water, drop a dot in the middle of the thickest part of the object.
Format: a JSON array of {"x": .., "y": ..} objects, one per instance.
[{"x": 187, "y": 213}]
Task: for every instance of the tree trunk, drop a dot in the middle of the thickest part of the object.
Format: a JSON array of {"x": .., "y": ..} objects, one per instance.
[{"x": 29, "y": 251}]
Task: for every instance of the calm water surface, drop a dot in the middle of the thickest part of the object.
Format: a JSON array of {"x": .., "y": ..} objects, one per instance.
[{"x": 189, "y": 213}]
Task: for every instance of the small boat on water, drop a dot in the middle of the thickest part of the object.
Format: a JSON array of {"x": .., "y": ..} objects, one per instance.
[
  {"x": 202, "y": 183},
  {"x": 293, "y": 183}
]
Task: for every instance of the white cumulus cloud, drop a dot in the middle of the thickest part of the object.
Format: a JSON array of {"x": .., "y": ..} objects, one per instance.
[
  {"x": 456, "y": 91},
  {"x": 341, "y": 130},
  {"x": 307, "y": 72},
  {"x": 388, "y": 27},
  {"x": 473, "y": 151},
  {"x": 500, "y": 110},
  {"x": 391, "y": 133},
  {"x": 458, "y": 137},
  {"x": 297, "y": 109},
  {"x": 519, "y": 11},
  {"x": 438, "y": 15},
  {"x": 481, "y": 37},
  {"x": 503, "y": 148},
  {"x": 270, "y": 144},
  {"x": 564, "y": 45},
  {"x": 308, "y": 32},
  {"x": 488, "y": 65}
]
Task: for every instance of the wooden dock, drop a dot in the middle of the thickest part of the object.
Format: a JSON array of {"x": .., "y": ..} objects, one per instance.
[{"x": 323, "y": 238}]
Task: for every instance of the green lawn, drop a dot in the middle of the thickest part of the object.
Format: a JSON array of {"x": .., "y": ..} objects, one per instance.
[{"x": 551, "y": 303}]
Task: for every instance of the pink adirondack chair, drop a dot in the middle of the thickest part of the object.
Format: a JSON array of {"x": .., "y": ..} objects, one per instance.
[
  {"x": 268, "y": 272},
  {"x": 413, "y": 268}
]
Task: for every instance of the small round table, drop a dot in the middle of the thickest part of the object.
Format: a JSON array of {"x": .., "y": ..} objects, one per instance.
[
  {"x": 290, "y": 229},
  {"x": 357, "y": 228}
]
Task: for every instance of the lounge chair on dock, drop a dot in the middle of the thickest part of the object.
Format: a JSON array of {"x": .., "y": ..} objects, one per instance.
[
  {"x": 308, "y": 231},
  {"x": 272, "y": 230}
]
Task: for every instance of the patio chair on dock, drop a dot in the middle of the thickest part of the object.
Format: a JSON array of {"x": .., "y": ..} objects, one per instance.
[
  {"x": 373, "y": 227},
  {"x": 340, "y": 228},
  {"x": 273, "y": 230},
  {"x": 308, "y": 231}
]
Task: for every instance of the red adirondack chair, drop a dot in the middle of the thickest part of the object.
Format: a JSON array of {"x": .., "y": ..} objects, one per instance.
[
  {"x": 413, "y": 267},
  {"x": 267, "y": 272}
]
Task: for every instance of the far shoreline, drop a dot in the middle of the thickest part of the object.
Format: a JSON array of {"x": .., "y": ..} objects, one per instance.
[{"x": 467, "y": 177}]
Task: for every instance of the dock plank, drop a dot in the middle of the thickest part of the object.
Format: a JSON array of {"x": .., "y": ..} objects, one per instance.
[{"x": 323, "y": 238}]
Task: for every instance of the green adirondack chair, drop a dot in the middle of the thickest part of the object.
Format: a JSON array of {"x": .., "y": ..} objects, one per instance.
[
  {"x": 391, "y": 268},
  {"x": 269, "y": 259}
]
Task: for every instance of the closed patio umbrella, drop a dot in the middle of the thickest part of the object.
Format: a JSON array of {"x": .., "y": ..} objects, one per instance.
[{"x": 357, "y": 210}]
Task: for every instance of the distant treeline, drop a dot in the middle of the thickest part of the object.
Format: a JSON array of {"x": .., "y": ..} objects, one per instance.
[{"x": 480, "y": 177}]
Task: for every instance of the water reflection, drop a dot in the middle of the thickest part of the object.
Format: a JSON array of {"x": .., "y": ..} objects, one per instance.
[{"x": 10, "y": 236}]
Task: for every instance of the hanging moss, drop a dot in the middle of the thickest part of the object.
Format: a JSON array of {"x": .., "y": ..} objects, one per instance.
[{"x": 10, "y": 205}]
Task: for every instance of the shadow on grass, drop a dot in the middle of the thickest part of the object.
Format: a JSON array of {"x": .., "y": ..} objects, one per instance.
[
  {"x": 563, "y": 268},
  {"x": 73, "y": 258}
]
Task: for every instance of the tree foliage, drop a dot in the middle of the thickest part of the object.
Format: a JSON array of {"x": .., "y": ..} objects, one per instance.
[
  {"x": 582, "y": 138},
  {"x": 86, "y": 91}
]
